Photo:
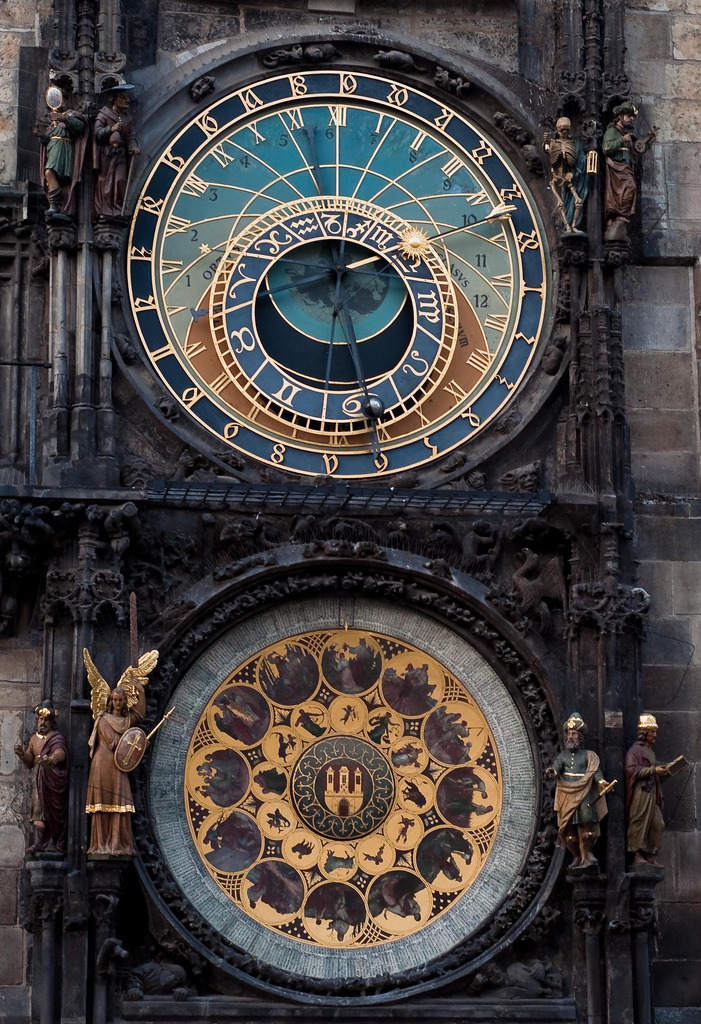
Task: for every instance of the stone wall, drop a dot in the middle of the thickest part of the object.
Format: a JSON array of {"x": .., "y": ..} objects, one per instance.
[
  {"x": 478, "y": 28},
  {"x": 662, "y": 389},
  {"x": 19, "y": 692},
  {"x": 21, "y": 25}
]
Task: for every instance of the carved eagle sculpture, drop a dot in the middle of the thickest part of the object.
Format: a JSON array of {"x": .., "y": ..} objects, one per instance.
[{"x": 100, "y": 689}]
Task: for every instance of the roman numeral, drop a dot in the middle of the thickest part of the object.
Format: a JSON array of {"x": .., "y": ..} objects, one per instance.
[
  {"x": 220, "y": 383},
  {"x": 338, "y": 116},
  {"x": 496, "y": 322},
  {"x": 250, "y": 100},
  {"x": 479, "y": 360},
  {"x": 195, "y": 186},
  {"x": 452, "y": 167},
  {"x": 221, "y": 156},
  {"x": 416, "y": 144},
  {"x": 171, "y": 266},
  {"x": 296, "y": 122},
  {"x": 176, "y": 224},
  {"x": 193, "y": 348},
  {"x": 256, "y": 134}
]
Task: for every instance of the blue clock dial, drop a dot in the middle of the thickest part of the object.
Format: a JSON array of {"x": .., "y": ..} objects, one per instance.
[{"x": 337, "y": 274}]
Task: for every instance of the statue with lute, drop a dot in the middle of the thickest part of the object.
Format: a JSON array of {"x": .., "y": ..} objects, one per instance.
[{"x": 117, "y": 745}]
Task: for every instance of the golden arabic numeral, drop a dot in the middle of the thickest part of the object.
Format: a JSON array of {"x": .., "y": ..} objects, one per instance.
[
  {"x": 140, "y": 254},
  {"x": 444, "y": 118},
  {"x": 397, "y": 96},
  {"x": 278, "y": 454},
  {"x": 347, "y": 83},
  {"x": 208, "y": 124},
  {"x": 381, "y": 461},
  {"x": 149, "y": 205},
  {"x": 431, "y": 447},
  {"x": 298, "y": 85},
  {"x": 192, "y": 395},
  {"x": 250, "y": 100},
  {"x": 141, "y": 305},
  {"x": 472, "y": 417},
  {"x": 231, "y": 430},
  {"x": 331, "y": 463}
]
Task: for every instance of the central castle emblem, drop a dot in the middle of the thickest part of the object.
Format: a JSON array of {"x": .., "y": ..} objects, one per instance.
[{"x": 344, "y": 790}]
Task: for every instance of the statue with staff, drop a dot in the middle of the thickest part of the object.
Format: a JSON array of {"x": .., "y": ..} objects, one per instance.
[{"x": 116, "y": 748}]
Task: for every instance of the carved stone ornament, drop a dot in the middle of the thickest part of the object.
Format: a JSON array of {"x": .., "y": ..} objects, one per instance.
[
  {"x": 324, "y": 583},
  {"x": 201, "y": 87},
  {"x": 62, "y": 235},
  {"x": 608, "y": 607},
  {"x": 312, "y": 53}
]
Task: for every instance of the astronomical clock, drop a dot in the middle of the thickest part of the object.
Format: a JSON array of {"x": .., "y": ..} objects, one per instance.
[
  {"x": 344, "y": 801},
  {"x": 337, "y": 274}
]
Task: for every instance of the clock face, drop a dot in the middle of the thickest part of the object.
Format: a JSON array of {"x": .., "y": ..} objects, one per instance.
[
  {"x": 342, "y": 801},
  {"x": 335, "y": 273}
]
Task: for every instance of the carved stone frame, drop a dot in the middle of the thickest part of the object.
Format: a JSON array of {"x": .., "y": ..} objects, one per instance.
[
  {"x": 450, "y": 602},
  {"x": 481, "y": 96}
]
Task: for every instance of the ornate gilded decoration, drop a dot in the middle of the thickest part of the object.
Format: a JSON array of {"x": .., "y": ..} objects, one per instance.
[{"x": 343, "y": 787}]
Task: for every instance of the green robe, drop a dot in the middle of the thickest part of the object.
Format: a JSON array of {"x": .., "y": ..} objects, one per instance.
[{"x": 59, "y": 146}]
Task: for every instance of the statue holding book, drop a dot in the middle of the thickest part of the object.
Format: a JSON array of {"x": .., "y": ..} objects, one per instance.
[{"x": 644, "y": 800}]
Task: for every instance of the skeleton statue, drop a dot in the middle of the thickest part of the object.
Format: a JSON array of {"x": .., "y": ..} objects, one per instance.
[{"x": 568, "y": 174}]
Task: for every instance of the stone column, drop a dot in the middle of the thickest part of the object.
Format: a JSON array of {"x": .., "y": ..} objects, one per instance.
[
  {"x": 46, "y": 880},
  {"x": 589, "y": 900}
]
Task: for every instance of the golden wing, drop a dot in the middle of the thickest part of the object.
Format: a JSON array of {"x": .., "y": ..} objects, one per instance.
[
  {"x": 147, "y": 663},
  {"x": 99, "y": 689}
]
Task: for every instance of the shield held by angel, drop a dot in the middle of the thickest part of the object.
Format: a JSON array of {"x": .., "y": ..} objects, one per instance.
[{"x": 109, "y": 798}]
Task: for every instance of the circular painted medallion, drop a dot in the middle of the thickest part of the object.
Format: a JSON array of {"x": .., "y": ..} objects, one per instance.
[
  {"x": 357, "y": 782},
  {"x": 343, "y": 787},
  {"x": 323, "y": 790}
]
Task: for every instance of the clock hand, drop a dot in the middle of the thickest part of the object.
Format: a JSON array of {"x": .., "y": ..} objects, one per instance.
[
  {"x": 372, "y": 406},
  {"x": 296, "y": 284},
  {"x": 501, "y": 212},
  {"x": 315, "y": 169}
]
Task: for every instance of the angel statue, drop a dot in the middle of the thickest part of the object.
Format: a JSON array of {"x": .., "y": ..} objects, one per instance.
[{"x": 109, "y": 798}]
